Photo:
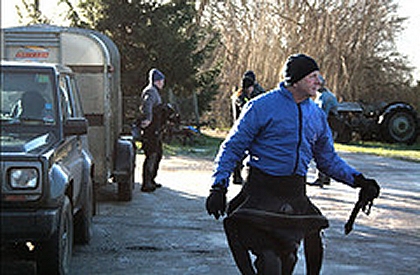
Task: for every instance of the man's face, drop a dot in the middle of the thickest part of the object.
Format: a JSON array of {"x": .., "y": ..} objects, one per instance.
[
  {"x": 309, "y": 85},
  {"x": 160, "y": 83}
]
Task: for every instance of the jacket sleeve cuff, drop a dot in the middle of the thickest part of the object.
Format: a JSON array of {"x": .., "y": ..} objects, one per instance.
[{"x": 221, "y": 180}]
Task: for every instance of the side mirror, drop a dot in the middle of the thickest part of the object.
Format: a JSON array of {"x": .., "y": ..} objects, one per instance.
[{"x": 75, "y": 126}]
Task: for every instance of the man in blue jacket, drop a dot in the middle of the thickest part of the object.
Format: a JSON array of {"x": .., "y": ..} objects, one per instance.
[{"x": 282, "y": 130}]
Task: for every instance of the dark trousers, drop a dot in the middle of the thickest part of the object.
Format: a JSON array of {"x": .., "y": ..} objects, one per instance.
[{"x": 153, "y": 155}]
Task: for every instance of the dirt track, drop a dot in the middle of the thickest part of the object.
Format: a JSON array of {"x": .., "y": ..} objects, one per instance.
[{"x": 169, "y": 232}]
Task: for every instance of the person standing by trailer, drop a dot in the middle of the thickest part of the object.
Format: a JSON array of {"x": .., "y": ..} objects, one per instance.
[
  {"x": 150, "y": 124},
  {"x": 283, "y": 130}
]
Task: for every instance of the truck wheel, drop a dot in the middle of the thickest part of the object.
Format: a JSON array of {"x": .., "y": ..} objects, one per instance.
[
  {"x": 54, "y": 255},
  {"x": 83, "y": 220},
  {"x": 125, "y": 187},
  {"x": 399, "y": 126}
]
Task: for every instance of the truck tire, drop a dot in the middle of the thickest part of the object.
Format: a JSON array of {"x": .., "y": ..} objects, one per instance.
[
  {"x": 399, "y": 126},
  {"x": 54, "y": 255},
  {"x": 83, "y": 230}
]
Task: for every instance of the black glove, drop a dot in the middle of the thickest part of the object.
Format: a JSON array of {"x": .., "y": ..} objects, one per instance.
[
  {"x": 216, "y": 201},
  {"x": 369, "y": 187}
]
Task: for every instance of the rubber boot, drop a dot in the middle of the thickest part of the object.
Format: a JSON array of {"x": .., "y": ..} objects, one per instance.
[{"x": 148, "y": 170}]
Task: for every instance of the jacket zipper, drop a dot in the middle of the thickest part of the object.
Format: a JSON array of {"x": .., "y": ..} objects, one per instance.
[{"x": 299, "y": 141}]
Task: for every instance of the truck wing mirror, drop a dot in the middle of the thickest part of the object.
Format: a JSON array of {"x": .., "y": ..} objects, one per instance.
[{"x": 75, "y": 126}]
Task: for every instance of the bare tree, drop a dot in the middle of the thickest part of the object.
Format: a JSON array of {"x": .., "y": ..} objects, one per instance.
[
  {"x": 353, "y": 41},
  {"x": 30, "y": 13}
]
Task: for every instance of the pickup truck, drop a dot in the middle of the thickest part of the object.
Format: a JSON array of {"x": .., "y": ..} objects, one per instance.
[{"x": 46, "y": 166}]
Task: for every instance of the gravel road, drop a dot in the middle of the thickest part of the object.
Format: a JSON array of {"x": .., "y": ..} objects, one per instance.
[{"x": 169, "y": 232}]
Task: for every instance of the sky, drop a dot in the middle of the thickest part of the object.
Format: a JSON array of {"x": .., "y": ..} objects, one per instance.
[{"x": 408, "y": 43}]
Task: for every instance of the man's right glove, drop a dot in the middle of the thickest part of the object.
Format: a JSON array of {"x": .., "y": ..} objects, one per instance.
[
  {"x": 216, "y": 201},
  {"x": 369, "y": 187}
]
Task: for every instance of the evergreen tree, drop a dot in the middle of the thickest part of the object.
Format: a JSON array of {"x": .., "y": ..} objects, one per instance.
[{"x": 164, "y": 36}]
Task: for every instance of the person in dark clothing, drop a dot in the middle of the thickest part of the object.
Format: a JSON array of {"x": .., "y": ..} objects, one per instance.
[
  {"x": 151, "y": 122},
  {"x": 242, "y": 96},
  {"x": 249, "y": 89},
  {"x": 257, "y": 87},
  {"x": 239, "y": 99},
  {"x": 282, "y": 130}
]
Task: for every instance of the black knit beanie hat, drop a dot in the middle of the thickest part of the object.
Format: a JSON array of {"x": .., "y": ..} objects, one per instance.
[
  {"x": 297, "y": 67},
  {"x": 250, "y": 74},
  {"x": 247, "y": 82}
]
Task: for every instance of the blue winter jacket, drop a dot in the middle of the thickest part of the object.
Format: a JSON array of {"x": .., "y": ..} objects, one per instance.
[{"x": 281, "y": 137}]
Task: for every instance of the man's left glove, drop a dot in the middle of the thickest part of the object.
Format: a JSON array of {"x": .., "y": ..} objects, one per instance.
[
  {"x": 216, "y": 201},
  {"x": 369, "y": 187}
]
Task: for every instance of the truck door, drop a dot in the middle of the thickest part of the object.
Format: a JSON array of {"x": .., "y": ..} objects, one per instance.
[{"x": 73, "y": 158}]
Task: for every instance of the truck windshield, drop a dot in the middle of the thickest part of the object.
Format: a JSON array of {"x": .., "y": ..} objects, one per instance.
[{"x": 27, "y": 97}]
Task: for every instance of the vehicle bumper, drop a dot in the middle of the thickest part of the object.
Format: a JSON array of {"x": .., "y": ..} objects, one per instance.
[{"x": 28, "y": 226}]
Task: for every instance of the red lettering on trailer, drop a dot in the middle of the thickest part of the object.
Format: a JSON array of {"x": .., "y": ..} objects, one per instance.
[{"x": 22, "y": 54}]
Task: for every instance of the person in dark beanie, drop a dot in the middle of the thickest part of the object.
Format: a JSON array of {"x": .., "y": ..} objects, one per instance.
[
  {"x": 242, "y": 96},
  {"x": 239, "y": 99},
  {"x": 250, "y": 89},
  {"x": 150, "y": 104},
  {"x": 282, "y": 130},
  {"x": 257, "y": 87}
]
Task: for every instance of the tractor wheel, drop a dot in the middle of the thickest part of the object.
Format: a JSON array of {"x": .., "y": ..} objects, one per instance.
[{"x": 399, "y": 126}]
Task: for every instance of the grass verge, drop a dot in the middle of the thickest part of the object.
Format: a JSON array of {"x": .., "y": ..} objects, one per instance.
[
  {"x": 398, "y": 151},
  {"x": 207, "y": 144},
  {"x": 204, "y": 145}
]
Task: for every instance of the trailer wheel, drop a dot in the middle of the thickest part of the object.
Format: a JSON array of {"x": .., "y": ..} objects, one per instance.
[
  {"x": 399, "y": 126},
  {"x": 125, "y": 187},
  {"x": 125, "y": 163},
  {"x": 54, "y": 255}
]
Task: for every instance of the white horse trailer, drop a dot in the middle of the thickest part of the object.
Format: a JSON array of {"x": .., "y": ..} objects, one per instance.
[{"x": 95, "y": 60}]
